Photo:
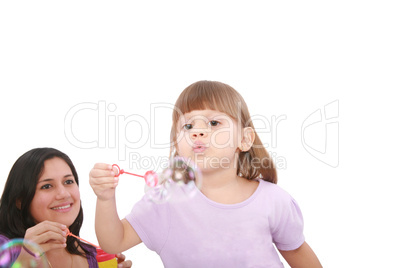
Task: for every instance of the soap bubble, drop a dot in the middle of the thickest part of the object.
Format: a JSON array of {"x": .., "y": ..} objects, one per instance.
[
  {"x": 151, "y": 178},
  {"x": 158, "y": 194},
  {"x": 179, "y": 181},
  {"x": 18, "y": 253},
  {"x": 183, "y": 173}
]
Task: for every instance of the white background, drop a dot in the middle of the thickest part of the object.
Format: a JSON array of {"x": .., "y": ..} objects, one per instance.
[{"x": 287, "y": 58}]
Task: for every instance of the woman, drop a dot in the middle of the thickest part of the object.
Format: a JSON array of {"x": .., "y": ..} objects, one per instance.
[{"x": 41, "y": 202}]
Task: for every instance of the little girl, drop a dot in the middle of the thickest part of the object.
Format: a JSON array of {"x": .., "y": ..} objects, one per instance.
[{"x": 238, "y": 215}]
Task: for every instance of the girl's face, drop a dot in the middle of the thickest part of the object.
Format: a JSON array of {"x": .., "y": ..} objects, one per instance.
[
  {"x": 209, "y": 138},
  {"x": 57, "y": 197}
]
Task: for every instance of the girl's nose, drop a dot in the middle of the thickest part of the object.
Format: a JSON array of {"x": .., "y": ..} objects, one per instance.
[
  {"x": 199, "y": 134},
  {"x": 200, "y": 129}
]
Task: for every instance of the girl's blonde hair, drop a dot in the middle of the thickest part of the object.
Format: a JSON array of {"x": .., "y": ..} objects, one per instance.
[{"x": 212, "y": 95}]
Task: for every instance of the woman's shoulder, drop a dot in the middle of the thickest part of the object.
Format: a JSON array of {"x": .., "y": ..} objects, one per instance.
[
  {"x": 89, "y": 248},
  {"x": 91, "y": 255}
]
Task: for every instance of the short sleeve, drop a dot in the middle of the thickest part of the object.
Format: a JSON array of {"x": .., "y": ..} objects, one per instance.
[
  {"x": 91, "y": 255},
  {"x": 287, "y": 233},
  {"x": 151, "y": 223}
]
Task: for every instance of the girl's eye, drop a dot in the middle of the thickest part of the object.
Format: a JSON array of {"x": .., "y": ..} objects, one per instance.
[
  {"x": 188, "y": 126},
  {"x": 214, "y": 123},
  {"x": 46, "y": 186}
]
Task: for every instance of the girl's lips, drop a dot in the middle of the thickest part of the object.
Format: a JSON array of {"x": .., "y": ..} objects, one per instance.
[{"x": 199, "y": 147}]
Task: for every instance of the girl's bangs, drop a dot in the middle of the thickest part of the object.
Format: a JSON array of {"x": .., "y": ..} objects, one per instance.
[{"x": 209, "y": 95}]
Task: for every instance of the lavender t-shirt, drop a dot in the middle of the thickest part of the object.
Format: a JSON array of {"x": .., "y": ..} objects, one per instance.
[{"x": 199, "y": 232}]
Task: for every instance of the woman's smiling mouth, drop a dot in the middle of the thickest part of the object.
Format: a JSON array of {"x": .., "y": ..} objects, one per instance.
[{"x": 62, "y": 208}]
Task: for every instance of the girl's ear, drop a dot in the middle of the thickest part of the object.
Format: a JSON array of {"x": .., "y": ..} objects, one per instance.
[{"x": 247, "y": 140}]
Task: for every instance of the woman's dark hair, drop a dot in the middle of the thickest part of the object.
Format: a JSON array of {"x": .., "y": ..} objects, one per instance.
[{"x": 20, "y": 188}]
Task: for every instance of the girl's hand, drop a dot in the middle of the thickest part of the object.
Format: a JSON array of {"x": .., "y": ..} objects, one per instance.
[
  {"x": 121, "y": 261},
  {"x": 48, "y": 235},
  {"x": 103, "y": 181}
]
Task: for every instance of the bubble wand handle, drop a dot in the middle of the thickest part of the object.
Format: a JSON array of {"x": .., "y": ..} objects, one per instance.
[
  {"x": 73, "y": 235},
  {"x": 151, "y": 178},
  {"x": 131, "y": 173},
  {"x": 121, "y": 171}
]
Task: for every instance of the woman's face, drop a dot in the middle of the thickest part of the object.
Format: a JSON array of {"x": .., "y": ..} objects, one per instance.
[{"x": 57, "y": 197}]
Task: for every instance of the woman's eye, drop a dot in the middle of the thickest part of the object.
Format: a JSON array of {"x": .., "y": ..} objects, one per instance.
[
  {"x": 188, "y": 126},
  {"x": 46, "y": 186},
  {"x": 69, "y": 182},
  {"x": 214, "y": 123}
]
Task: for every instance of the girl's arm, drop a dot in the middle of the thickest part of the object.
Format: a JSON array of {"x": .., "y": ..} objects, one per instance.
[
  {"x": 302, "y": 257},
  {"x": 113, "y": 235}
]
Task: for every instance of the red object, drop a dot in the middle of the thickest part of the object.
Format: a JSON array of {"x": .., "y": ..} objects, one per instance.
[
  {"x": 121, "y": 171},
  {"x": 71, "y": 234},
  {"x": 150, "y": 176},
  {"x": 102, "y": 256}
]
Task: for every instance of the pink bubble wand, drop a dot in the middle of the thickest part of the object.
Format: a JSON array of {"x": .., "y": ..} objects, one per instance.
[
  {"x": 151, "y": 178},
  {"x": 83, "y": 240},
  {"x": 98, "y": 248}
]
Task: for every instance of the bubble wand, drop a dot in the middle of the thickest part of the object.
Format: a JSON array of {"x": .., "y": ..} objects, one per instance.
[
  {"x": 180, "y": 179},
  {"x": 103, "y": 258},
  {"x": 73, "y": 235},
  {"x": 150, "y": 176}
]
